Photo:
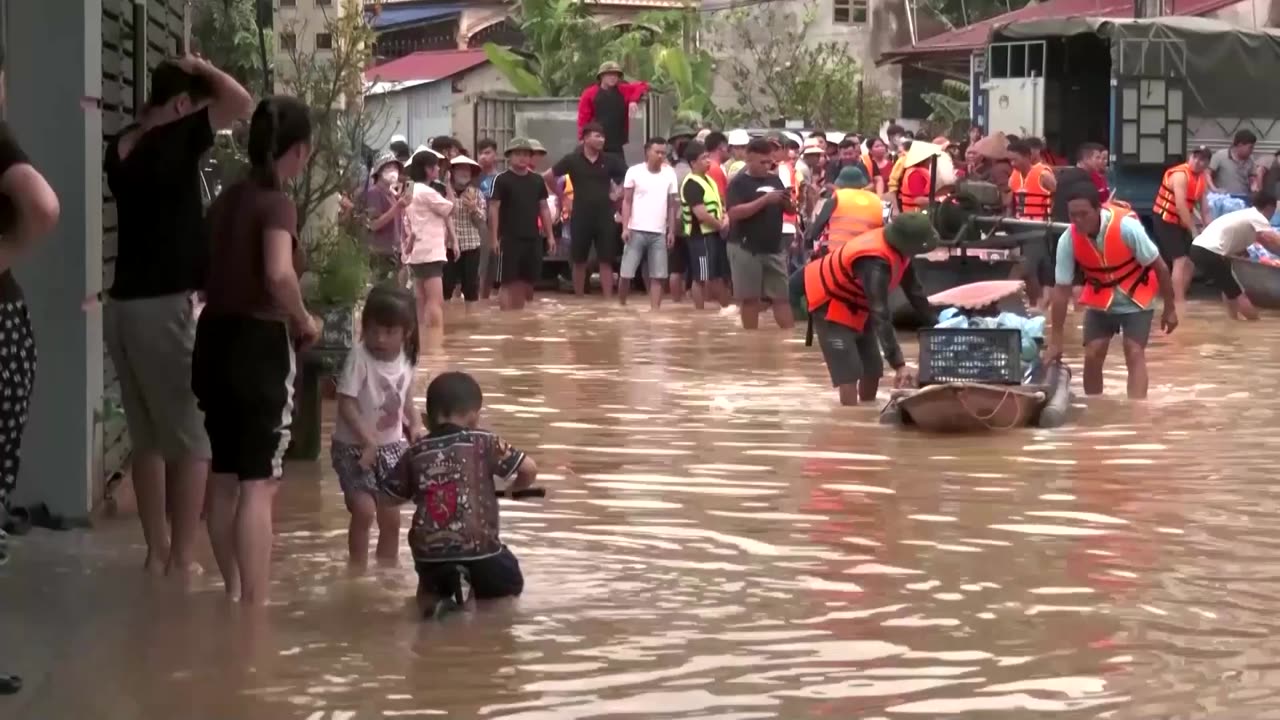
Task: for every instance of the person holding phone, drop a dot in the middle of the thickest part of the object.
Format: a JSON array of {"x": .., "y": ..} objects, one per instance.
[{"x": 757, "y": 255}]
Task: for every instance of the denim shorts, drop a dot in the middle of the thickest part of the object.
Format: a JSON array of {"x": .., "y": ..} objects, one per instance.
[
  {"x": 352, "y": 477},
  {"x": 649, "y": 247}
]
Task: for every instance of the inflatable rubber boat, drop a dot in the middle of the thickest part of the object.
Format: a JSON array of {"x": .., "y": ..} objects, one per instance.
[
  {"x": 1260, "y": 281},
  {"x": 997, "y": 397}
]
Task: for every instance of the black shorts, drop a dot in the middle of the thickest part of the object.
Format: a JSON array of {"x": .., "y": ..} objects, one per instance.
[
  {"x": 699, "y": 257},
  {"x": 1134, "y": 326},
  {"x": 521, "y": 261},
  {"x": 463, "y": 271},
  {"x": 678, "y": 256},
  {"x": 718, "y": 254},
  {"x": 1173, "y": 240},
  {"x": 593, "y": 228},
  {"x": 424, "y": 271},
  {"x": 242, "y": 373},
  {"x": 496, "y": 576},
  {"x": 1217, "y": 269}
]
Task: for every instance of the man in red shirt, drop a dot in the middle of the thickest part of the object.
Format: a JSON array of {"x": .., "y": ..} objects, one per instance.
[
  {"x": 611, "y": 102},
  {"x": 717, "y": 144}
]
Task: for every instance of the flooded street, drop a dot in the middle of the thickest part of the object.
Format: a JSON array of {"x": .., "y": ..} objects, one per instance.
[{"x": 721, "y": 540}]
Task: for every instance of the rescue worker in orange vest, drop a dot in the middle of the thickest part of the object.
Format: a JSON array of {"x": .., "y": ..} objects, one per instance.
[
  {"x": 1031, "y": 184},
  {"x": 1123, "y": 273},
  {"x": 849, "y": 212},
  {"x": 847, "y": 294},
  {"x": 917, "y": 180},
  {"x": 1183, "y": 192}
]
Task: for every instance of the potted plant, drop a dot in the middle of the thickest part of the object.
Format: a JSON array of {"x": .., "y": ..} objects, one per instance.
[{"x": 335, "y": 281}]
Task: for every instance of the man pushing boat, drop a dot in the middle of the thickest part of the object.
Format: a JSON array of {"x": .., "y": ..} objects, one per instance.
[
  {"x": 847, "y": 294},
  {"x": 1123, "y": 272}
]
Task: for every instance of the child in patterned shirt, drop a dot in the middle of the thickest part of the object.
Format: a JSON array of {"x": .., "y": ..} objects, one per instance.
[{"x": 453, "y": 475}]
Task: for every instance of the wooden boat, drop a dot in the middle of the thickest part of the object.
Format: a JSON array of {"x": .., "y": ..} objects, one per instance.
[
  {"x": 1260, "y": 281},
  {"x": 969, "y": 407}
]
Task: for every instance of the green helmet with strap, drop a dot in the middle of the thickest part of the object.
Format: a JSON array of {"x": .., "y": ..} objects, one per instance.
[{"x": 911, "y": 234}]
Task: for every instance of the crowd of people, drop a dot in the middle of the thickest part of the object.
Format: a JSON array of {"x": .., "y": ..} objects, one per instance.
[{"x": 206, "y": 314}]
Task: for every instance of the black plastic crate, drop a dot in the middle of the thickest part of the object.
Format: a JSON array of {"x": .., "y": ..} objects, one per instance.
[{"x": 992, "y": 356}]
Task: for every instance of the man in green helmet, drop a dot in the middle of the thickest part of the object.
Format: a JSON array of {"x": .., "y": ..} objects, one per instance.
[
  {"x": 847, "y": 294},
  {"x": 611, "y": 103}
]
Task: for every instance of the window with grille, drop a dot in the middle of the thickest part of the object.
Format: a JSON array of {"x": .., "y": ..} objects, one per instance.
[
  {"x": 849, "y": 12},
  {"x": 288, "y": 3},
  {"x": 324, "y": 41}
]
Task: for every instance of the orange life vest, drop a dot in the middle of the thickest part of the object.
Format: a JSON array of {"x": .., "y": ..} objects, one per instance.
[
  {"x": 1112, "y": 270},
  {"x": 1165, "y": 206},
  {"x": 1031, "y": 200},
  {"x": 913, "y": 202},
  {"x": 831, "y": 281},
  {"x": 857, "y": 212}
]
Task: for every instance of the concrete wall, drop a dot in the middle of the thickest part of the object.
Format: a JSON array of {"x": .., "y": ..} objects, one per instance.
[
  {"x": 54, "y": 58},
  {"x": 482, "y": 80}
]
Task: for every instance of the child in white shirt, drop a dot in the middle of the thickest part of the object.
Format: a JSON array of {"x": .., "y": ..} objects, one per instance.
[{"x": 375, "y": 406}]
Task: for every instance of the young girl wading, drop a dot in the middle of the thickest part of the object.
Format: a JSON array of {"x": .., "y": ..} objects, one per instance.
[
  {"x": 243, "y": 365},
  {"x": 374, "y": 407}
]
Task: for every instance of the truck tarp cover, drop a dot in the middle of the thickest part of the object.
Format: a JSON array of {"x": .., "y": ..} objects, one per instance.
[{"x": 1228, "y": 70}]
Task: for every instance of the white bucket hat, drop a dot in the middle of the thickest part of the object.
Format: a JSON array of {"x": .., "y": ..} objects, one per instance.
[{"x": 739, "y": 138}]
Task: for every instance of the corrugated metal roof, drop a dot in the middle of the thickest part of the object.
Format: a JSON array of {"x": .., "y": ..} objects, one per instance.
[
  {"x": 426, "y": 65},
  {"x": 387, "y": 17},
  {"x": 977, "y": 35}
]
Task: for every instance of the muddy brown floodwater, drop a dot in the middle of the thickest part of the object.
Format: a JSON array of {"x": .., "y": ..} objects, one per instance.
[{"x": 722, "y": 541}]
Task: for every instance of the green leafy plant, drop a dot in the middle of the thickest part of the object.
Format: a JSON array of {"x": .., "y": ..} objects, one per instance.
[
  {"x": 338, "y": 264},
  {"x": 949, "y": 108},
  {"x": 565, "y": 45},
  {"x": 225, "y": 33},
  {"x": 777, "y": 71},
  {"x": 332, "y": 82}
]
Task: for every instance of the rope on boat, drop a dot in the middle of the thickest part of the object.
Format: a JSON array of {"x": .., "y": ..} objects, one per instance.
[{"x": 985, "y": 419}]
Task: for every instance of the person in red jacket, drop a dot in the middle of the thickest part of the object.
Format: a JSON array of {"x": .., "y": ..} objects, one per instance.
[{"x": 610, "y": 102}]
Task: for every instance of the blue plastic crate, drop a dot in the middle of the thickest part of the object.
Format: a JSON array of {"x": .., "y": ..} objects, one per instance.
[{"x": 991, "y": 356}]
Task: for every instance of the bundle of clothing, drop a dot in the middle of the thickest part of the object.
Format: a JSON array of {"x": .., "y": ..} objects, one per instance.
[{"x": 1030, "y": 328}]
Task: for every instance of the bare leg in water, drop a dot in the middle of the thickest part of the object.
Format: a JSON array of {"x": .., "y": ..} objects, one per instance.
[
  {"x": 149, "y": 489},
  {"x": 254, "y": 536},
  {"x": 224, "y": 496}
]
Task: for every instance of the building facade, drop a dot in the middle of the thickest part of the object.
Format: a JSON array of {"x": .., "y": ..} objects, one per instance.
[{"x": 70, "y": 74}]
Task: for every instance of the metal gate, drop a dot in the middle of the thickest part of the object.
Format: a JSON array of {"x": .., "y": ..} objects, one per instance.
[
  {"x": 164, "y": 38},
  {"x": 1149, "y": 108}
]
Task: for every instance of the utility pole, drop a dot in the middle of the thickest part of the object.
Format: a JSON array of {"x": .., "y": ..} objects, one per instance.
[{"x": 264, "y": 20}]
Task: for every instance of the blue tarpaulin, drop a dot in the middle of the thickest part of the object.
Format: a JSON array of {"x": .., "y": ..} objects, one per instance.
[{"x": 392, "y": 16}]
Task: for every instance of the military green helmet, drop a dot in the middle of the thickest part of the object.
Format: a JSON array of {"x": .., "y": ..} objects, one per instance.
[
  {"x": 911, "y": 234},
  {"x": 609, "y": 67},
  {"x": 851, "y": 176},
  {"x": 538, "y": 148},
  {"x": 680, "y": 130},
  {"x": 519, "y": 143}
]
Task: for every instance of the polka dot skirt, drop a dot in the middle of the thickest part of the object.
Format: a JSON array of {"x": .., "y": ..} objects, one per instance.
[{"x": 17, "y": 375}]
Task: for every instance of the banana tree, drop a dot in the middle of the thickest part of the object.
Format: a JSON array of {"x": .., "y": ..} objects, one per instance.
[{"x": 949, "y": 107}]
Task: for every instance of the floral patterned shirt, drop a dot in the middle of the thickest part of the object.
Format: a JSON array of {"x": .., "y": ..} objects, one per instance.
[{"x": 450, "y": 475}]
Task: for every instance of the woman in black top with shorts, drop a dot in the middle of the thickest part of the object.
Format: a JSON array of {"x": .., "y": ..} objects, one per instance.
[{"x": 244, "y": 363}]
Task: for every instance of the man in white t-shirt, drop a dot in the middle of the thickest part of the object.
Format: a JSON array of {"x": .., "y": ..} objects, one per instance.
[
  {"x": 1231, "y": 234},
  {"x": 649, "y": 207}
]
